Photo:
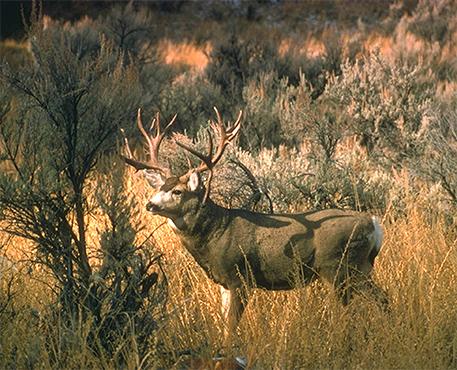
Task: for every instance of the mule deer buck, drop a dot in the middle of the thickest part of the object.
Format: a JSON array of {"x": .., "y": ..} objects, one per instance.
[{"x": 235, "y": 247}]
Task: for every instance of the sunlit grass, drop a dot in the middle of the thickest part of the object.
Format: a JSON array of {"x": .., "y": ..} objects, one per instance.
[
  {"x": 184, "y": 54},
  {"x": 306, "y": 328}
]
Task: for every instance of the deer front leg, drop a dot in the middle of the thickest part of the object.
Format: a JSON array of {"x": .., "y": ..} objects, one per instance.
[
  {"x": 232, "y": 307},
  {"x": 225, "y": 304},
  {"x": 233, "y": 304}
]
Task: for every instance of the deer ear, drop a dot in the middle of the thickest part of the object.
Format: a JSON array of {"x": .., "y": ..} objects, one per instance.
[
  {"x": 194, "y": 181},
  {"x": 155, "y": 179}
]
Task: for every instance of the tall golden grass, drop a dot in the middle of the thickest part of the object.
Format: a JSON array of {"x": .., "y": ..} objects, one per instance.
[{"x": 305, "y": 328}]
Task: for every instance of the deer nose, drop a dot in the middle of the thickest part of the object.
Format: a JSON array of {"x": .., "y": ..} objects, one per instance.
[{"x": 150, "y": 206}]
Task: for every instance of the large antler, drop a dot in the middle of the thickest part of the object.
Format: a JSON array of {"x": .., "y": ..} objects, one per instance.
[
  {"x": 153, "y": 144},
  {"x": 209, "y": 161}
]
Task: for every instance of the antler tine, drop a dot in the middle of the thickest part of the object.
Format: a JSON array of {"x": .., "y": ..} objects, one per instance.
[
  {"x": 233, "y": 130},
  {"x": 167, "y": 127},
  {"x": 226, "y": 134},
  {"x": 156, "y": 122},
  {"x": 126, "y": 142},
  {"x": 236, "y": 126},
  {"x": 130, "y": 160},
  {"x": 209, "y": 160},
  {"x": 225, "y": 137},
  {"x": 153, "y": 145},
  {"x": 144, "y": 133},
  {"x": 220, "y": 124},
  {"x": 157, "y": 140}
]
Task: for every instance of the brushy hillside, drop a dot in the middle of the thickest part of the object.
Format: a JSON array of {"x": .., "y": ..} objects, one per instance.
[{"x": 344, "y": 106}]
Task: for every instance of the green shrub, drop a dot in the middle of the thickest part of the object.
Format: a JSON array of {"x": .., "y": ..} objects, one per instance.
[
  {"x": 261, "y": 126},
  {"x": 59, "y": 118},
  {"x": 291, "y": 180},
  {"x": 192, "y": 98},
  {"x": 236, "y": 62},
  {"x": 389, "y": 106},
  {"x": 440, "y": 158},
  {"x": 434, "y": 20}
]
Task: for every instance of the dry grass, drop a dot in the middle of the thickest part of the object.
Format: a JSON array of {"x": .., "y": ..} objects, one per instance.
[
  {"x": 184, "y": 53},
  {"x": 306, "y": 328},
  {"x": 15, "y": 53}
]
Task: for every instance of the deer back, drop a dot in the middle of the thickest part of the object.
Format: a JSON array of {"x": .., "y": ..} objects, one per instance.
[{"x": 273, "y": 251}]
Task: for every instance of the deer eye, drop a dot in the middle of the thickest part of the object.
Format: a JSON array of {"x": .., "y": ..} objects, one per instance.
[{"x": 176, "y": 192}]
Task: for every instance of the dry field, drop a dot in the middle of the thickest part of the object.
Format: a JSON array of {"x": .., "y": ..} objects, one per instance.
[
  {"x": 306, "y": 328},
  {"x": 301, "y": 329}
]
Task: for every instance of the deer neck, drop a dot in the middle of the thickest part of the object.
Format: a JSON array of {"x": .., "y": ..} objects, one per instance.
[{"x": 198, "y": 225}]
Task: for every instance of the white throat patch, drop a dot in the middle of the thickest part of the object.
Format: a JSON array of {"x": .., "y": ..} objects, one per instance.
[{"x": 176, "y": 226}]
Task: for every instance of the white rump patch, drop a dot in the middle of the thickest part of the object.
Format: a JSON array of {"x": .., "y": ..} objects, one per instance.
[{"x": 377, "y": 235}]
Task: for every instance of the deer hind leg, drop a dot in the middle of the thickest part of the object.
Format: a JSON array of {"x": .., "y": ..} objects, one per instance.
[
  {"x": 231, "y": 308},
  {"x": 237, "y": 306},
  {"x": 351, "y": 280},
  {"x": 365, "y": 286},
  {"x": 362, "y": 282},
  {"x": 342, "y": 284},
  {"x": 354, "y": 277},
  {"x": 233, "y": 305}
]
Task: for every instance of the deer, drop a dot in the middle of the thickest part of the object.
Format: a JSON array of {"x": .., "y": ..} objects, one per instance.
[{"x": 236, "y": 247}]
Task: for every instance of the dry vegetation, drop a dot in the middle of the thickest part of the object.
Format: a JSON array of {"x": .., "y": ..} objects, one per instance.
[
  {"x": 363, "y": 98},
  {"x": 302, "y": 329}
]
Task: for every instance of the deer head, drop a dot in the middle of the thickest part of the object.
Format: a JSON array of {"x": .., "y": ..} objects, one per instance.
[{"x": 176, "y": 193}]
